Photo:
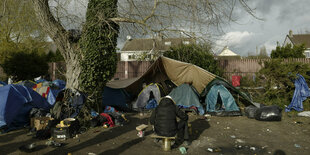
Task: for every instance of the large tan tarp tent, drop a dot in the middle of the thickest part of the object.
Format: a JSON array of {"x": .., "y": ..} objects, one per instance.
[{"x": 167, "y": 69}]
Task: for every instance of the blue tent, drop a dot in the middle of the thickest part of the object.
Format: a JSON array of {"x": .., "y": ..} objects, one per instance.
[
  {"x": 219, "y": 99},
  {"x": 60, "y": 83},
  {"x": 300, "y": 94},
  {"x": 16, "y": 101},
  {"x": 2, "y": 83},
  {"x": 115, "y": 98},
  {"x": 186, "y": 96}
]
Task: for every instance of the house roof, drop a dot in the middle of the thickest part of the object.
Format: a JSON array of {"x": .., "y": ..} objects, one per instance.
[
  {"x": 300, "y": 39},
  {"x": 227, "y": 52},
  {"x": 157, "y": 44}
]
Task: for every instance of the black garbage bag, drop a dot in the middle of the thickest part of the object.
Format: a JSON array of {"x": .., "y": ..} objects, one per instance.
[
  {"x": 268, "y": 113},
  {"x": 250, "y": 111}
]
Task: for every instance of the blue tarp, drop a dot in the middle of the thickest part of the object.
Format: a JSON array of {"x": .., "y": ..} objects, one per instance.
[
  {"x": 227, "y": 100},
  {"x": 185, "y": 96},
  {"x": 2, "y": 83},
  {"x": 115, "y": 98},
  {"x": 40, "y": 80},
  {"x": 300, "y": 94},
  {"x": 60, "y": 83},
  {"x": 16, "y": 101},
  {"x": 51, "y": 97}
]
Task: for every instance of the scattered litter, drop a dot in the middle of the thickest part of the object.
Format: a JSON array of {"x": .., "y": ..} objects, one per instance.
[
  {"x": 269, "y": 152},
  {"x": 90, "y": 153},
  {"x": 252, "y": 148},
  {"x": 217, "y": 122},
  {"x": 207, "y": 115},
  {"x": 268, "y": 130},
  {"x": 227, "y": 128},
  {"x": 297, "y": 122},
  {"x": 304, "y": 114},
  {"x": 53, "y": 143},
  {"x": 182, "y": 150},
  {"x": 238, "y": 146},
  {"x": 233, "y": 136},
  {"x": 217, "y": 149},
  {"x": 28, "y": 148},
  {"x": 210, "y": 149},
  {"x": 297, "y": 145},
  {"x": 240, "y": 141}
]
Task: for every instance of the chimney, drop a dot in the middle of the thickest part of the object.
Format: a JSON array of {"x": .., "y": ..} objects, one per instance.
[{"x": 290, "y": 33}]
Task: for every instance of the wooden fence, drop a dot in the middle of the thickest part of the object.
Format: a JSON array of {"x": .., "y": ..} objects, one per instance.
[
  {"x": 248, "y": 67},
  {"x": 130, "y": 69}
]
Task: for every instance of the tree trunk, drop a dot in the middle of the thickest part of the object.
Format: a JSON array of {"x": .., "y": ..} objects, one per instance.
[
  {"x": 73, "y": 69},
  {"x": 70, "y": 51}
]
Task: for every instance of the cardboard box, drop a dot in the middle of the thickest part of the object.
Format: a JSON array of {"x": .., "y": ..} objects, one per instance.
[{"x": 39, "y": 122}]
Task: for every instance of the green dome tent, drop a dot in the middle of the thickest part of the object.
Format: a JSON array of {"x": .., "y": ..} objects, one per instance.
[
  {"x": 219, "y": 100},
  {"x": 186, "y": 96}
]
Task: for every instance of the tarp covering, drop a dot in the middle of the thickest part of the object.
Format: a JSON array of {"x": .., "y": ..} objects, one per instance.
[
  {"x": 167, "y": 69},
  {"x": 60, "y": 83},
  {"x": 219, "y": 99},
  {"x": 144, "y": 95},
  {"x": 47, "y": 90},
  {"x": 300, "y": 94},
  {"x": 185, "y": 96},
  {"x": 115, "y": 98},
  {"x": 181, "y": 72},
  {"x": 2, "y": 83},
  {"x": 16, "y": 101},
  {"x": 26, "y": 83}
]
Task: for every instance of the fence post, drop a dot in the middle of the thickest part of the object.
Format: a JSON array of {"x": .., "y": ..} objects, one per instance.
[
  {"x": 54, "y": 71},
  {"x": 126, "y": 69}
]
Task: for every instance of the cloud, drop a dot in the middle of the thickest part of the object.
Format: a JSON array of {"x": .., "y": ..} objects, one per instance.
[{"x": 234, "y": 39}]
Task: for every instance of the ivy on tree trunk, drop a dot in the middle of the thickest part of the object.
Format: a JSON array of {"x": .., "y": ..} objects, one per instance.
[{"x": 98, "y": 44}]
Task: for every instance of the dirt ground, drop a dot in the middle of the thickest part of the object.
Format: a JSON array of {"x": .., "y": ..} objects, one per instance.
[{"x": 213, "y": 135}]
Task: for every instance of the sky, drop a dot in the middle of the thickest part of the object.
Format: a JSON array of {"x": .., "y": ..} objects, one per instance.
[
  {"x": 247, "y": 35},
  {"x": 279, "y": 16}
]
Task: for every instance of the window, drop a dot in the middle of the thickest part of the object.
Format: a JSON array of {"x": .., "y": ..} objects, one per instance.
[
  {"x": 307, "y": 54},
  {"x": 168, "y": 43},
  {"x": 130, "y": 57}
]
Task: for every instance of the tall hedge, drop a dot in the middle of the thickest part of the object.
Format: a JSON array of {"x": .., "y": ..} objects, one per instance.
[
  {"x": 98, "y": 45},
  {"x": 197, "y": 54}
]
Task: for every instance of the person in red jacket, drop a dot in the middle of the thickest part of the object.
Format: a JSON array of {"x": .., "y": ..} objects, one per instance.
[{"x": 164, "y": 119}]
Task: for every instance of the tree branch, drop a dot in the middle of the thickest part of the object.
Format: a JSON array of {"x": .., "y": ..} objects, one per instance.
[
  {"x": 51, "y": 26},
  {"x": 4, "y": 9}
]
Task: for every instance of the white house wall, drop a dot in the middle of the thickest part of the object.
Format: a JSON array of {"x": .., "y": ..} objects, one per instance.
[{"x": 125, "y": 55}]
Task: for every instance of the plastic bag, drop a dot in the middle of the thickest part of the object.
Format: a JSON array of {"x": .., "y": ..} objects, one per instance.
[
  {"x": 250, "y": 111},
  {"x": 268, "y": 113}
]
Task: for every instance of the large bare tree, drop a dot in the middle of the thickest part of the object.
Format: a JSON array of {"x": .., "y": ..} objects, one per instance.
[{"x": 194, "y": 18}]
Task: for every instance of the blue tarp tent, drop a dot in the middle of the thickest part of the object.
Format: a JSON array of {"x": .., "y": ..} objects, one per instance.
[
  {"x": 26, "y": 83},
  {"x": 300, "y": 94},
  {"x": 185, "y": 96},
  {"x": 219, "y": 99},
  {"x": 115, "y": 98},
  {"x": 2, "y": 83},
  {"x": 60, "y": 83},
  {"x": 16, "y": 101}
]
